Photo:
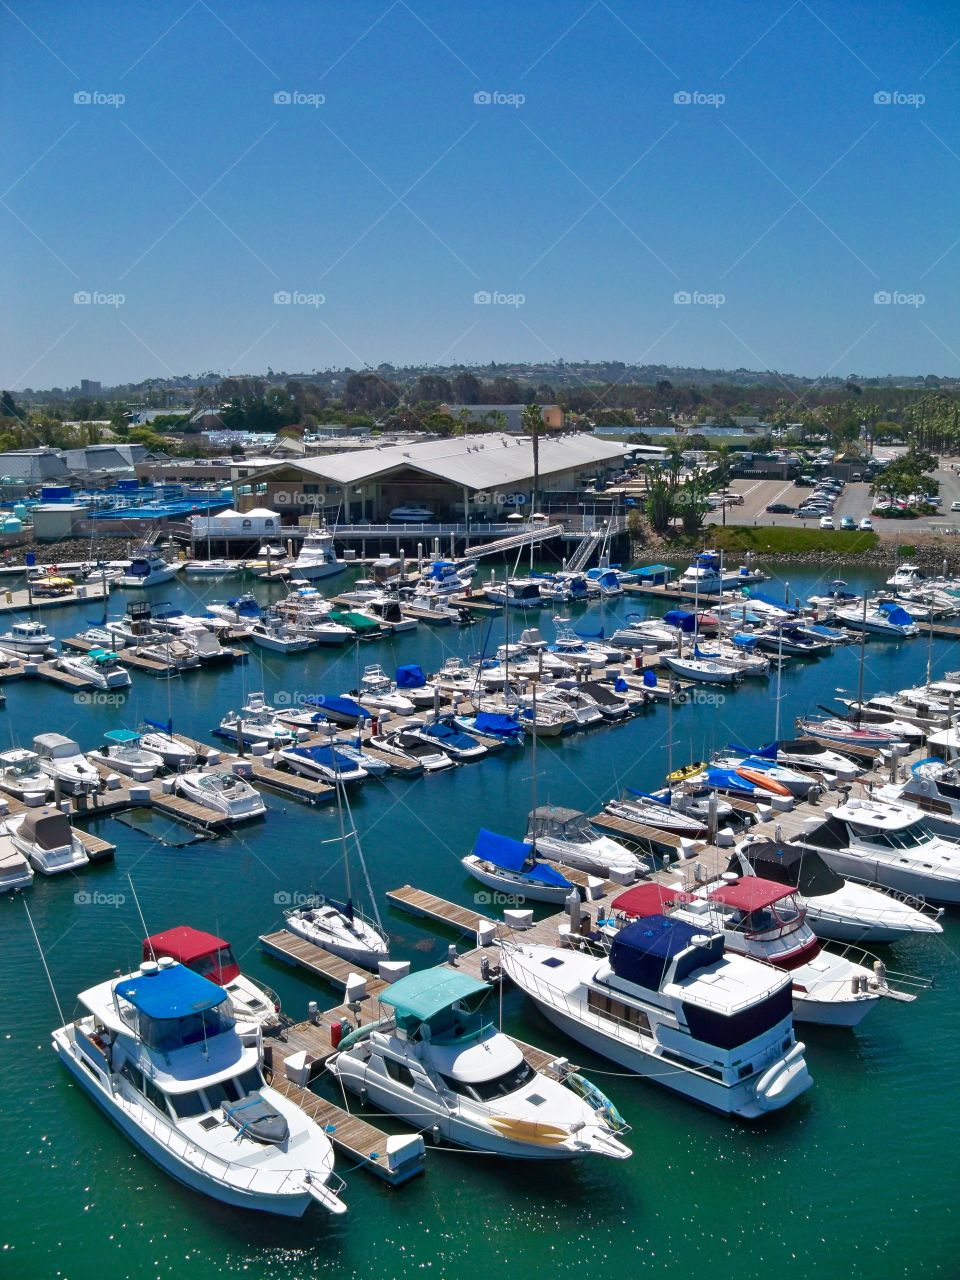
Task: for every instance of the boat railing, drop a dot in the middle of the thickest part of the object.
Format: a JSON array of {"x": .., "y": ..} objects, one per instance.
[
  {"x": 913, "y": 900},
  {"x": 233, "y": 1172}
]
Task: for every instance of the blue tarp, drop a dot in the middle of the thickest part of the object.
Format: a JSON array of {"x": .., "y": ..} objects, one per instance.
[
  {"x": 681, "y": 618},
  {"x": 338, "y": 706},
  {"x": 620, "y": 685},
  {"x": 410, "y": 677},
  {"x": 172, "y": 993},
  {"x": 516, "y": 855},
  {"x": 649, "y": 679},
  {"x": 642, "y": 952},
  {"x": 744, "y": 641},
  {"x": 895, "y": 614},
  {"x": 445, "y": 733},
  {"x": 767, "y": 753},
  {"x": 497, "y": 725},
  {"x": 729, "y": 779}
]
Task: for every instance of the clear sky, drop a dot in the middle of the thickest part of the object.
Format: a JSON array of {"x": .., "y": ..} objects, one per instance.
[{"x": 382, "y": 195}]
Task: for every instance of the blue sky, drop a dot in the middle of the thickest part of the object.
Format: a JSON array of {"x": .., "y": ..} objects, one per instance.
[{"x": 583, "y": 198}]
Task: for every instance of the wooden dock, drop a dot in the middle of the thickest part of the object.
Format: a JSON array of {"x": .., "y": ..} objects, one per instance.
[
  {"x": 307, "y": 789},
  {"x": 286, "y": 946},
  {"x": 49, "y": 671},
  {"x": 417, "y": 902},
  {"x": 650, "y": 838},
  {"x": 186, "y": 811},
  {"x": 97, "y": 850},
  {"x": 25, "y": 600}
]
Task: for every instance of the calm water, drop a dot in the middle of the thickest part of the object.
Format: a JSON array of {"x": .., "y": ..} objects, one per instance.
[{"x": 856, "y": 1180}]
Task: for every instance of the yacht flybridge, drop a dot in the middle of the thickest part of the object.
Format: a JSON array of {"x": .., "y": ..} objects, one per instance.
[
  {"x": 213, "y": 959},
  {"x": 159, "y": 1052},
  {"x": 669, "y": 1004},
  {"x": 434, "y": 1060}
]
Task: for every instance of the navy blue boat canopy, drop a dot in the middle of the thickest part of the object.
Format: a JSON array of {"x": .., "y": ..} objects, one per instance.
[
  {"x": 345, "y": 706},
  {"x": 895, "y": 613},
  {"x": 680, "y": 618},
  {"x": 497, "y": 724},
  {"x": 643, "y": 951},
  {"x": 176, "y": 992},
  {"x": 410, "y": 677}
]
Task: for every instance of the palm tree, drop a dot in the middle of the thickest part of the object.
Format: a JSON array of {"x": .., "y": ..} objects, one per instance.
[{"x": 532, "y": 420}]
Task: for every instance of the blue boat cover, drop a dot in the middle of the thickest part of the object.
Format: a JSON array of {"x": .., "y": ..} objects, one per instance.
[
  {"x": 590, "y": 635},
  {"x": 744, "y": 641},
  {"x": 516, "y": 855},
  {"x": 769, "y": 752},
  {"x": 497, "y": 724},
  {"x": 649, "y": 679},
  {"x": 345, "y": 706},
  {"x": 895, "y": 614},
  {"x": 176, "y": 992},
  {"x": 765, "y": 599},
  {"x": 444, "y": 732},
  {"x": 326, "y": 755},
  {"x": 620, "y": 685},
  {"x": 728, "y": 778},
  {"x": 164, "y": 728},
  {"x": 410, "y": 677},
  {"x": 642, "y": 952},
  {"x": 680, "y": 618}
]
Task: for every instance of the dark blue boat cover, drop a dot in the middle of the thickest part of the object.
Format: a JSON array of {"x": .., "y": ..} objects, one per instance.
[
  {"x": 410, "y": 677},
  {"x": 642, "y": 952},
  {"x": 516, "y": 855},
  {"x": 497, "y": 725}
]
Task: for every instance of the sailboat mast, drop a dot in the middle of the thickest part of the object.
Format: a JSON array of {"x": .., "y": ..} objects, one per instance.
[
  {"x": 863, "y": 648},
  {"x": 776, "y": 718}
]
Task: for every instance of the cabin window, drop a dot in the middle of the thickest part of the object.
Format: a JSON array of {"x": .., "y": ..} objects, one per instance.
[
  {"x": 729, "y": 1031},
  {"x": 188, "y": 1104},
  {"x": 397, "y": 1071},
  {"x": 618, "y": 1010},
  {"x": 487, "y": 1090},
  {"x": 156, "y": 1097}
]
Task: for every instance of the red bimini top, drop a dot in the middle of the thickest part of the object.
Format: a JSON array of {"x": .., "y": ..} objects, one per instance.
[
  {"x": 751, "y": 893},
  {"x": 190, "y": 947},
  {"x": 649, "y": 900}
]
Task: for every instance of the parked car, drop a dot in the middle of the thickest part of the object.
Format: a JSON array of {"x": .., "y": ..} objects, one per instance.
[
  {"x": 848, "y": 522},
  {"x": 955, "y": 506},
  {"x": 866, "y": 525},
  {"x": 780, "y": 509},
  {"x": 826, "y": 522}
]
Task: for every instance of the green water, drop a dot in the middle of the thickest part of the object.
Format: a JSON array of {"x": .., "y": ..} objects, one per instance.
[{"x": 858, "y": 1179}]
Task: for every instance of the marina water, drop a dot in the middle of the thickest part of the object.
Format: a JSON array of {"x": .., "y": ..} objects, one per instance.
[{"x": 856, "y": 1180}]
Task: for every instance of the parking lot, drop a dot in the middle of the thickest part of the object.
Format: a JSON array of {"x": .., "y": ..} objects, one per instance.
[{"x": 855, "y": 501}]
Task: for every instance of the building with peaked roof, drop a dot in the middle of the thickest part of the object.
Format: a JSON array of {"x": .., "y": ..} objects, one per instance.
[{"x": 454, "y": 477}]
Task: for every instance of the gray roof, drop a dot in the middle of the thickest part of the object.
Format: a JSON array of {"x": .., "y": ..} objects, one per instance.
[{"x": 475, "y": 462}]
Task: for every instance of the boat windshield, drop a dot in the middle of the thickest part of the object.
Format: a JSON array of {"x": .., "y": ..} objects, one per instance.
[
  {"x": 169, "y": 1034},
  {"x": 198, "y": 1102},
  {"x": 219, "y": 966},
  {"x": 499, "y": 1087},
  {"x": 914, "y": 836}
]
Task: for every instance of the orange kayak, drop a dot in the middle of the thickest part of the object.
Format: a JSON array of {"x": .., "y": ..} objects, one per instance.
[{"x": 760, "y": 778}]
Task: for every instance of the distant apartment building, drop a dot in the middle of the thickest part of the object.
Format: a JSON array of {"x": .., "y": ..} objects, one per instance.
[{"x": 89, "y": 388}]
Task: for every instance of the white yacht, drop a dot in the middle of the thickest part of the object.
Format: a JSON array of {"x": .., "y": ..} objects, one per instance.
[
  {"x": 123, "y": 751},
  {"x": 515, "y": 593},
  {"x": 445, "y": 736},
  {"x": 836, "y": 909},
  {"x": 433, "y": 1059},
  {"x": 257, "y": 721},
  {"x": 272, "y": 633},
  {"x": 339, "y": 928},
  {"x": 29, "y": 640},
  {"x": 888, "y": 620},
  {"x": 223, "y": 792},
  {"x": 254, "y": 1007},
  {"x": 706, "y": 575},
  {"x": 211, "y": 568},
  {"x": 239, "y": 611},
  {"x": 702, "y": 670},
  {"x": 22, "y": 777},
  {"x": 511, "y": 867},
  {"x": 146, "y": 569},
  {"x": 47, "y": 840},
  {"x": 669, "y": 1004},
  {"x": 65, "y": 764},
  {"x": 317, "y": 557},
  {"x": 327, "y": 763},
  {"x": 378, "y": 692},
  {"x": 158, "y": 1050},
  {"x": 906, "y": 576},
  {"x": 566, "y": 836},
  {"x": 100, "y": 668},
  {"x": 888, "y": 843},
  {"x": 176, "y": 753}
]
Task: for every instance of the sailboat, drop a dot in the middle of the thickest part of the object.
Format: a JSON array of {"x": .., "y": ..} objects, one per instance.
[{"x": 337, "y": 926}]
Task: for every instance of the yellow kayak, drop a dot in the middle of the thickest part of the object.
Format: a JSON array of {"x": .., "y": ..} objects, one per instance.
[{"x": 688, "y": 771}]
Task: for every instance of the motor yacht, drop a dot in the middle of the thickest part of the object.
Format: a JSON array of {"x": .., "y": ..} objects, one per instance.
[
  {"x": 22, "y": 777},
  {"x": 254, "y": 1007},
  {"x": 65, "y": 764},
  {"x": 15, "y": 869},
  {"x": 257, "y": 721},
  {"x": 377, "y": 692},
  {"x": 444, "y": 735},
  {"x": 123, "y": 751},
  {"x": 100, "y": 668},
  {"x": 47, "y": 840},
  {"x": 435, "y": 1060},
  {"x": 567, "y": 837},
  {"x": 515, "y": 593},
  {"x": 889, "y": 843},
  {"x": 223, "y": 792},
  {"x": 427, "y": 755},
  {"x": 317, "y": 558},
  {"x": 761, "y": 920},
  {"x": 211, "y": 568},
  {"x": 147, "y": 569},
  {"x": 836, "y": 909},
  {"x": 29, "y": 639},
  {"x": 325, "y": 763},
  {"x": 669, "y": 1004},
  {"x": 158, "y": 1050},
  {"x": 279, "y": 637},
  {"x": 241, "y": 611},
  {"x": 887, "y": 620}
]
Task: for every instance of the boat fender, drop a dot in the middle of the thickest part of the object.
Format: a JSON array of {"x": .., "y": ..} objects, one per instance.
[
  {"x": 855, "y": 984},
  {"x": 435, "y": 1134}
]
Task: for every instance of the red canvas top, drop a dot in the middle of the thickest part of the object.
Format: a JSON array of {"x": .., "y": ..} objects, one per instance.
[
  {"x": 648, "y": 900},
  {"x": 182, "y": 943},
  {"x": 751, "y": 893}
]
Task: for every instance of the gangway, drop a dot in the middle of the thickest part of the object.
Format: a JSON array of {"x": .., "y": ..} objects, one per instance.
[
  {"x": 588, "y": 544},
  {"x": 516, "y": 541}
]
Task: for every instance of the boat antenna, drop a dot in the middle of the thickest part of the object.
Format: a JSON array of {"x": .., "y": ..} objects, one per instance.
[
  {"x": 930, "y": 648},
  {"x": 776, "y": 718},
  {"x": 863, "y": 646},
  {"x": 146, "y": 931},
  {"x": 361, "y": 860},
  {"x": 43, "y": 961}
]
